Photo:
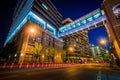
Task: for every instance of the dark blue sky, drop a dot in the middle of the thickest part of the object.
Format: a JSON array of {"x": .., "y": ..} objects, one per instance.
[
  {"x": 6, "y": 11},
  {"x": 96, "y": 34},
  {"x": 76, "y": 8},
  {"x": 68, "y": 8}
]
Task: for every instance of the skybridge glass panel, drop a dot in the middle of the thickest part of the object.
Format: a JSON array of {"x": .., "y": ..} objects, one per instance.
[
  {"x": 83, "y": 22},
  {"x": 69, "y": 27},
  {"x": 73, "y": 26},
  {"x": 96, "y": 15},
  {"x": 89, "y": 19},
  {"x": 78, "y": 24}
]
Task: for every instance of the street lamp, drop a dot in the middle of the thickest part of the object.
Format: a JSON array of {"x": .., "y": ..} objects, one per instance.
[
  {"x": 103, "y": 42},
  {"x": 70, "y": 49},
  {"x": 31, "y": 30}
]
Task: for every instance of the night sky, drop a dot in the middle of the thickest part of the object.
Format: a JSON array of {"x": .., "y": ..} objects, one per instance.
[{"x": 68, "y": 8}]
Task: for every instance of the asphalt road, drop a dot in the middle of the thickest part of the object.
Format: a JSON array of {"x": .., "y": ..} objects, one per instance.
[{"x": 81, "y": 72}]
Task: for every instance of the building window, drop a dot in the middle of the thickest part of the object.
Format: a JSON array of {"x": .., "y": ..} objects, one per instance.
[
  {"x": 50, "y": 29},
  {"x": 44, "y": 6},
  {"x": 116, "y": 10}
]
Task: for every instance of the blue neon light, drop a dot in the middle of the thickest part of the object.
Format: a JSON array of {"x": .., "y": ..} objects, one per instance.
[
  {"x": 78, "y": 24},
  {"x": 37, "y": 19},
  {"x": 83, "y": 22},
  {"x": 97, "y": 15},
  {"x": 16, "y": 30},
  {"x": 89, "y": 19},
  {"x": 50, "y": 29}
]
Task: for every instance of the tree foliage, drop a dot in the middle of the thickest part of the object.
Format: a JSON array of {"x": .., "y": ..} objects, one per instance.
[
  {"x": 37, "y": 50},
  {"x": 9, "y": 51},
  {"x": 63, "y": 55},
  {"x": 50, "y": 53}
]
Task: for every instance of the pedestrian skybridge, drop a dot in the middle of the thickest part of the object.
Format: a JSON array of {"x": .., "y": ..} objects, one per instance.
[{"x": 84, "y": 22}]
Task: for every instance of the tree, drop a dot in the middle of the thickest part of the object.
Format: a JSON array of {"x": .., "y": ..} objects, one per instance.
[
  {"x": 106, "y": 57},
  {"x": 50, "y": 53},
  {"x": 8, "y": 52},
  {"x": 37, "y": 51}
]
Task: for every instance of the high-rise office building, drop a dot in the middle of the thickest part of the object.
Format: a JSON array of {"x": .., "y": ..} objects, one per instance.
[
  {"x": 98, "y": 53},
  {"x": 42, "y": 12},
  {"x": 35, "y": 21}
]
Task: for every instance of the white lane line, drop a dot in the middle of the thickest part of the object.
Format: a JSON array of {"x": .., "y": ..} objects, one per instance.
[{"x": 99, "y": 75}]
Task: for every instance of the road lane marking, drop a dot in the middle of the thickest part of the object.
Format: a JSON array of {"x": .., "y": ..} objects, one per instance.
[
  {"x": 7, "y": 77},
  {"x": 99, "y": 75}
]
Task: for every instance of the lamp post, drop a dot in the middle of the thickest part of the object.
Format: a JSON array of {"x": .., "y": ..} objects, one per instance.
[
  {"x": 27, "y": 40},
  {"x": 103, "y": 42},
  {"x": 70, "y": 49}
]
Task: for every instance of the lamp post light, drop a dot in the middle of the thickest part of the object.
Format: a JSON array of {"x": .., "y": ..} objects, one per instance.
[
  {"x": 32, "y": 30},
  {"x": 103, "y": 42},
  {"x": 43, "y": 59},
  {"x": 70, "y": 49}
]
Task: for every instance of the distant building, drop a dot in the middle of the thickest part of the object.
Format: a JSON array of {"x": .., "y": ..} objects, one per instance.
[
  {"x": 112, "y": 12},
  {"x": 79, "y": 43},
  {"x": 98, "y": 53},
  {"x": 67, "y": 21}
]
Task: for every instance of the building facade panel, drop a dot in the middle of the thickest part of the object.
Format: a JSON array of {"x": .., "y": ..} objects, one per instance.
[{"x": 112, "y": 11}]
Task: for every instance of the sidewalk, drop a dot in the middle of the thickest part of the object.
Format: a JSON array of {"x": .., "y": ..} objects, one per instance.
[{"x": 115, "y": 67}]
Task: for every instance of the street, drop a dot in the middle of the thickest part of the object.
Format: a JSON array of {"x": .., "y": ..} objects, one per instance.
[{"x": 79, "y": 72}]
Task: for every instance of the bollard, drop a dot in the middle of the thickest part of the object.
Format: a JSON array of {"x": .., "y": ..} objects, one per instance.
[
  {"x": 38, "y": 65},
  {"x": 46, "y": 64},
  {"x": 11, "y": 66},
  {"x": 27, "y": 65},
  {"x": 4, "y": 65},
  {"x": 20, "y": 65},
  {"x": 42, "y": 64},
  {"x": 33, "y": 65}
]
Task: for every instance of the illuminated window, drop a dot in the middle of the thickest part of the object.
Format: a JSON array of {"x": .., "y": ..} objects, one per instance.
[
  {"x": 50, "y": 29},
  {"x": 73, "y": 26},
  {"x": 89, "y": 19},
  {"x": 97, "y": 15},
  {"x": 44, "y": 6},
  {"x": 83, "y": 22},
  {"x": 38, "y": 22},
  {"x": 69, "y": 28},
  {"x": 78, "y": 24}
]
